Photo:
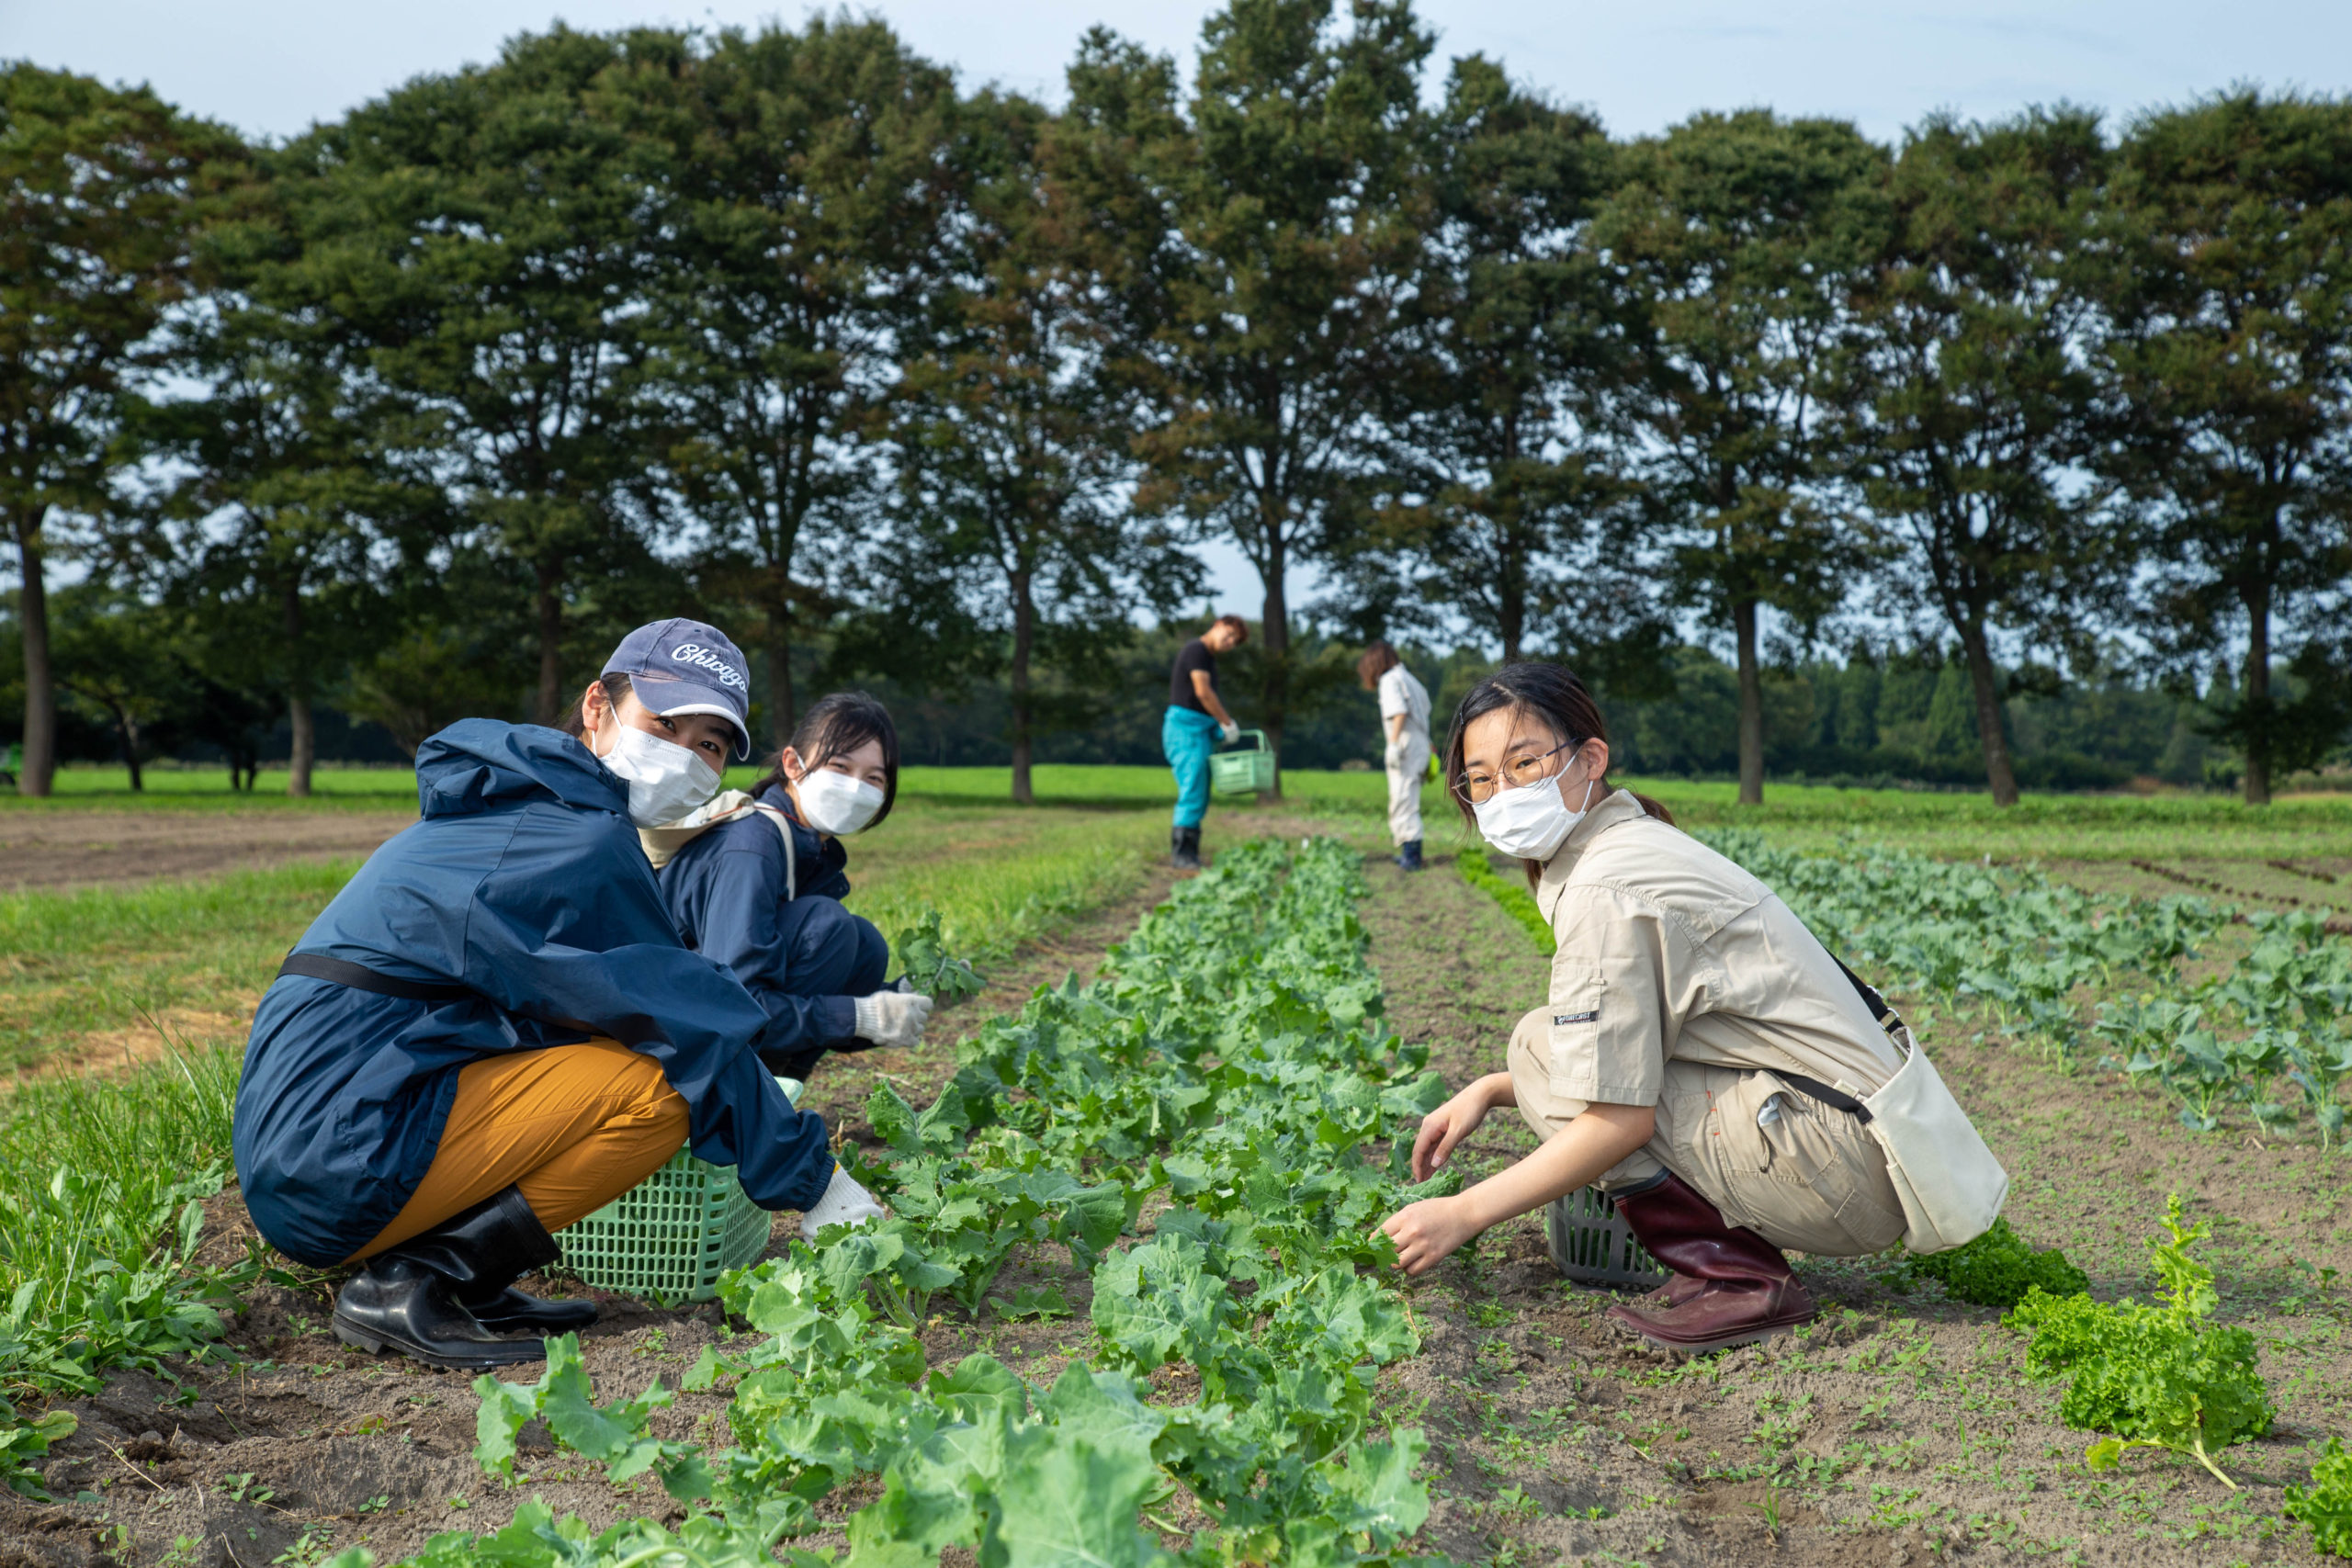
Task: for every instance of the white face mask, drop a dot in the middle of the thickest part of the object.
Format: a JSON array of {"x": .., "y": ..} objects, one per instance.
[
  {"x": 1531, "y": 823},
  {"x": 665, "y": 780},
  {"x": 835, "y": 802}
]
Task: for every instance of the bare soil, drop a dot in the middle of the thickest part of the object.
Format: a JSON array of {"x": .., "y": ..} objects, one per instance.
[
  {"x": 1901, "y": 1425},
  {"x": 53, "y": 850},
  {"x": 1897, "y": 1429}
]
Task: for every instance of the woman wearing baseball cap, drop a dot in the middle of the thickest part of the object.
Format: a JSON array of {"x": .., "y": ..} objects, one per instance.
[{"x": 494, "y": 1029}]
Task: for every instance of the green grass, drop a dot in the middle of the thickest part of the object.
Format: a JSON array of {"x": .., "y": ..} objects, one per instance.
[
  {"x": 99, "y": 1223},
  {"x": 997, "y": 875},
  {"x": 82, "y": 970},
  {"x": 207, "y": 789},
  {"x": 1949, "y": 825},
  {"x": 77, "y": 963},
  {"x": 393, "y": 788}
]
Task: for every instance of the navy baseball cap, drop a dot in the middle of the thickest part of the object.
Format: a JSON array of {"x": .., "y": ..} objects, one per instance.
[{"x": 683, "y": 666}]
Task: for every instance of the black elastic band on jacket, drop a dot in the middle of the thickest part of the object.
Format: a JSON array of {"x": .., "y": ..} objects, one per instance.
[
  {"x": 1813, "y": 1089},
  {"x": 359, "y": 977}
]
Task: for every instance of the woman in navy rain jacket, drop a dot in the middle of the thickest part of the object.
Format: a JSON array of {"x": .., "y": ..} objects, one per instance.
[
  {"x": 773, "y": 917},
  {"x": 494, "y": 1029}
]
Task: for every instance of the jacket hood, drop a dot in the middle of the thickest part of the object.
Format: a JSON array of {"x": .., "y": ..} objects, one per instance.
[{"x": 479, "y": 764}]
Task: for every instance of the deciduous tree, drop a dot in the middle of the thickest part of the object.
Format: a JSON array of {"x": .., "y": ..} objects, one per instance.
[
  {"x": 1492, "y": 474},
  {"x": 2230, "y": 363},
  {"x": 801, "y": 195},
  {"x": 99, "y": 189},
  {"x": 1285, "y": 216},
  {"x": 478, "y": 243},
  {"x": 1736, "y": 236},
  {"x": 1009, "y": 436},
  {"x": 1968, "y": 405}
]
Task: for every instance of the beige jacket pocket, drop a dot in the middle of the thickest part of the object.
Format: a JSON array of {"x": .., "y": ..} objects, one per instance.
[{"x": 1573, "y": 1033}]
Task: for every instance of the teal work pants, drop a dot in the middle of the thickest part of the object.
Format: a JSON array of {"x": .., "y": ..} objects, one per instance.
[{"x": 1187, "y": 737}]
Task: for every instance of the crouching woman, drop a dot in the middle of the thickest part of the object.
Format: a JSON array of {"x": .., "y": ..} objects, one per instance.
[
  {"x": 1702, "y": 1059},
  {"x": 493, "y": 1030},
  {"x": 754, "y": 881}
]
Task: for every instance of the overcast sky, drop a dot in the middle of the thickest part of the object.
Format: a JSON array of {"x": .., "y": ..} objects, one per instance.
[{"x": 272, "y": 67}]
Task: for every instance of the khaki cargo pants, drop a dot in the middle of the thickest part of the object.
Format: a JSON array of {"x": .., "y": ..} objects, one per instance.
[{"x": 1808, "y": 1178}]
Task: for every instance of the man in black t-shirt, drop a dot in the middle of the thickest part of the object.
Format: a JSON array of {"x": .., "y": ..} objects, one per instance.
[{"x": 1189, "y": 733}]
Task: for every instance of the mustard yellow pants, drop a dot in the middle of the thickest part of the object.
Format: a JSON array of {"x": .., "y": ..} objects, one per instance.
[{"x": 573, "y": 1126}]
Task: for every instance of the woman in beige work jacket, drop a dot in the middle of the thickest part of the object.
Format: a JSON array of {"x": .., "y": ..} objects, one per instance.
[{"x": 1696, "y": 1051}]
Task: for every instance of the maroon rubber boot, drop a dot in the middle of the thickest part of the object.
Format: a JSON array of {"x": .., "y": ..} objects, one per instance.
[{"x": 1733, "y": 1288}]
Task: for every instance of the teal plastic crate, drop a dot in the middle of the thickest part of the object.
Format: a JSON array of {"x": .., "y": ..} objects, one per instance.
[
  {"x": 1245, "y": 771},
  {"x": 1591, "y": 1243},
  {"x": 671, "y": 1236}
]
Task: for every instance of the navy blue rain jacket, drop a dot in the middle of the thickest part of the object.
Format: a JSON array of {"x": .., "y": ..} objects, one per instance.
[
  {"x": 524, "y": 881},
  {"x": 726, "y": 893}
]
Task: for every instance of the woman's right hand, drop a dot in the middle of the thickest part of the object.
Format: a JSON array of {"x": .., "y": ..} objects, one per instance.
[{"x": 1446, "y": 1126}]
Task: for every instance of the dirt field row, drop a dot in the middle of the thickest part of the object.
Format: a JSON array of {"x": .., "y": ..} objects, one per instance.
[
  {"x": 1899, "y": 1430},
  {"x": 58, "y": 850}
]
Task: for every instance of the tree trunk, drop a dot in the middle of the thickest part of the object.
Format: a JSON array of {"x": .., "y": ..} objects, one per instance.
[
  {"x": 1275, "y": 628},
  {"x": 2257, "y": 598},
  {"x": 551, "y": 608},
  {"x": 1751, "y": 705},
  {"x": 1511, "y": 606},
  {"x": 1024, "y": 633},
  {"x": 40, "y": 688},
  {"x": 304, "y": 748},
  {"x": 1997, "y": 771},
  {"x": 783, "y": 708},
  {"x": 126, "y": 727}
]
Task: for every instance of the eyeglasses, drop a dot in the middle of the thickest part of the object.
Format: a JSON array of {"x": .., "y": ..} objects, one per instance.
[{"x": 1478, "y": 787}]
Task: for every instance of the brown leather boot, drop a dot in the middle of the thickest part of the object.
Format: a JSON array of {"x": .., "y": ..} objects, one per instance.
[{"x": 1733, "y": 1286}]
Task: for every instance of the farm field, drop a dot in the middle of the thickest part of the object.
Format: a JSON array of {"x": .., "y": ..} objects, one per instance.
[{"x": 1902, "y": 1428}]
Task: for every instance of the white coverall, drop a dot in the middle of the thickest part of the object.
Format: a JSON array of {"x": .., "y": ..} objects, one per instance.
[{"x": 1407, "y": 757}]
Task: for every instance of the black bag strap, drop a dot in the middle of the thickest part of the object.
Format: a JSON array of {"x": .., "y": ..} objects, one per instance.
[
  {"x": 1813, "y": 1089},
  {"x": 359, "y": 977},
  {"x": 1888, "y": 1019}
]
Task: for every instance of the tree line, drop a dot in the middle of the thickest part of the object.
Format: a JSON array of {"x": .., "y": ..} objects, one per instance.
[{"x": 410, "y": 414}]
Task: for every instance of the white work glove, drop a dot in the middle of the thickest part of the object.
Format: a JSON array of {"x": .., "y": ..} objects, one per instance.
[
  {"x": 892, "y": 1018},
  {"x": 844, "y": 1203},
  {"x": 1232, "y": 731}
]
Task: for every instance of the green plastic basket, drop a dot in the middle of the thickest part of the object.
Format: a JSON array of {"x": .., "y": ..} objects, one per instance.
[
  {"x": 672, "y": 1235},
  {"x": 1245, "y": 770},
  {"x": 1591, "y": 1242}
]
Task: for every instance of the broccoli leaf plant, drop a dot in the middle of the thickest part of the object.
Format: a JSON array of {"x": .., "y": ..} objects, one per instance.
[
  {"x": 926, "y": 965},
  {"x": 1235, "y": 1061}
]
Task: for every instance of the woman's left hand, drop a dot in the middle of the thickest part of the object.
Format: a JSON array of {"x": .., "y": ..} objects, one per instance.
[{"x": 1427, "y": 1232}]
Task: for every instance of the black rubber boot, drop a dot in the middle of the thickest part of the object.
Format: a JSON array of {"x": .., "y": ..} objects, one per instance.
[
  {"x": 415, "y": 1297},
  {"x": 1408, "y": 855},
  {"x": 1185, "y": 848}
]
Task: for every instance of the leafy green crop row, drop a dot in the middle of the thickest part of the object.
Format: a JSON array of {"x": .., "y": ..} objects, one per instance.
[
  {"x": 1516, "y": 900},
  {"x": 2273, "y": 1033},
  {"x": 1214, "y": 1099}
]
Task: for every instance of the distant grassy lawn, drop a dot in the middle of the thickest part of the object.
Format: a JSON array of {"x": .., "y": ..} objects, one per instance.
[
  {"x": 207, "y": 789},
  {"x": 78, "y": 969},
  {"x": 1950, "y": 825},
  {"x": 2040, "y": 827}
]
